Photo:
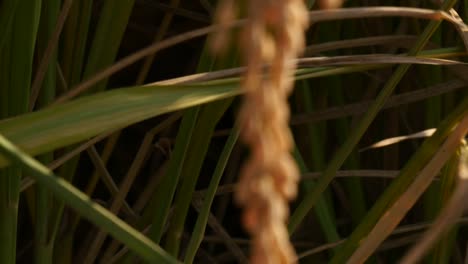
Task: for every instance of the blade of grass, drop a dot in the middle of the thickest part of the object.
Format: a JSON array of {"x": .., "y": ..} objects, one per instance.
[
  {"x": 74, "y": 39},
  {"x": 353, "y": 198},
  {"x": 336, "y": 92},
  {"x": 61, "y": 121},
  {"x": 152, "y": 182},
  {"x": 73, "y": 42},
  {"x": 416, "y": 163},
  {"x": 83, "y": 204},
  {"x": 86, "y": 117},
  {"x": 112, "y": 253},
  {"x": 448, "y": 215},
  {"x": 307, "y": 71},
  {"x": 218, "y": 229},
  {"x": 125, "y": 62},
  {"x": 437, "y": 193},
  {"x": 67, "y": 241},
  {"x": 5, "y": 226},
  {"x": 316, "y": 16},
  {"x": 45, "y": 233},
  {"x": 442, "y": 253},
  {"x": 168, "y": 185},
  {"x": 119, "y": 200},
  {"x": 433, "y": 112},
  {"x": 353, "y": 186},
  {"x": 394, "y": 101},
  {"x": 107, "y": 178},
  {"x": 7, "y": 13},
  {"x": 339, "y": 158},
  {"x": 386, "y": 245},
  {"x": 81, "y": 119},
  {"x": 198, "y": 147},
  {"x": 229, "y": 59},
  {"x": 49, "y": 53},
  {"x": 200, "y": 226},
  {"x": 317, "y": 137},
  {"x": 149, "y": 137},
  {"x": 398, "y": 41},
  {"x": 18, "y": 71},
  {"x": 207, "y": 120},
  {"x": 111, "y": 27},
  {"x": 109, "y": 32},
  {"x": 408, "y": 198},
  {"x": 323, "y": 210},
  {"x": 165, "y": 23}
]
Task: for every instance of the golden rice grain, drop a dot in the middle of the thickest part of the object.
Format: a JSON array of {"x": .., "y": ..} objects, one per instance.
[{"x": 273, "y": 36}]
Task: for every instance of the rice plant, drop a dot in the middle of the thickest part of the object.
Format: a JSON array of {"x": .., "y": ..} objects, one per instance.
[{"x": 120, "y": 140}]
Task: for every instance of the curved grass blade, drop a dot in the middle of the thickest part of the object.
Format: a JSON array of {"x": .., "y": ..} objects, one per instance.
[
  {"x": 200, "y": 226},
  {"x": 405, "y": 200},
  {"x": 208, "y": 118},
  {"x": 65, "y": 124},
  {"x": 107, "y": 38},
  {"x": 86, "y": 207},
  {"x": 323, "y": 211},
  {"x": 444, "y": 229},
  {"x": 340, "y": 157},
  {"x": 399, "y": 185},
  {"x": 164, "y": 198}
]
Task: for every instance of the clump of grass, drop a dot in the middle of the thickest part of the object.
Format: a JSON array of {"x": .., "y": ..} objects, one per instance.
[{"x": 94, "y": 141}]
